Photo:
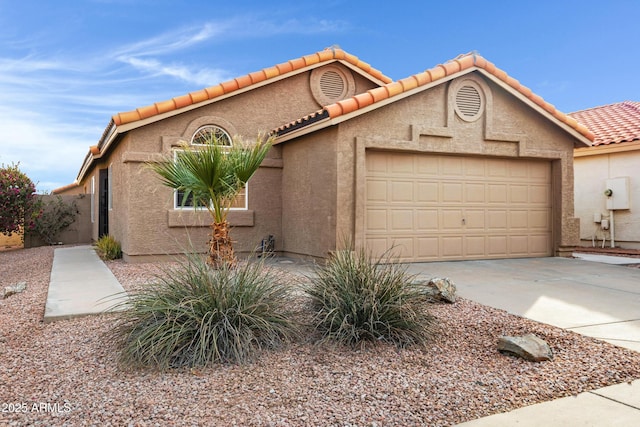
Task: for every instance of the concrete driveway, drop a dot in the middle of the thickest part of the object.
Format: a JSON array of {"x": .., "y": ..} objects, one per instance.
[{"x": 591, "y": 298}]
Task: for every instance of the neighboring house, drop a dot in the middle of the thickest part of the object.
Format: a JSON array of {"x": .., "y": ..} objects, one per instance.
[
  {"x": 612, "y": 163},
  {"x": 458, "y": 162}
]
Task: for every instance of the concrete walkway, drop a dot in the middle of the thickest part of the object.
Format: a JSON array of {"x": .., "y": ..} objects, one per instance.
[
  {"x": 595, "y": 296},
  {"x": 81, "y": 284}
]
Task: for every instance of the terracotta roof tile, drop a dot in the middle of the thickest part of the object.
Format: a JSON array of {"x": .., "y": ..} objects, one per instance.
[
  {"x": 458, "y": 64},
  {"x": 364, "y": 99},
  {"x": 244, "y": 81},
  {"x": 613, "y": 123},
  {"x": 230, "y": 86}
]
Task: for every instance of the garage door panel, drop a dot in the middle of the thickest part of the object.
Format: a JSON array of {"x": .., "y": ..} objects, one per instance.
[
  {"x": 451, "y": 219},
  {"x": 497, "y": 246},
  {"x": 427, "y": 220},
  {"x": 497, "y": 220},
  {"x": 451, "y": 246},
  {"x": 376, "y": 162},
  {"x": 474, "y": 192},
  {"x": 452, "y": 192},
  {"x": 518, "y": 245},
  {"x": 427, "y": 192},
  {"x": 474, "y": 167},
  {"x": 453, "y": 207},
  {"x": 518, "y": 219},
  {"x": 427, "y": 248},
  {"x": 519, "y": 193},
  {"x": 402, "y": 165},
  {"x": 539, "y": 219},
  {"x": 451, "y": 166},
  {"x": 498, "y": 193},
  {"x": 376, "y": 190},
  {"x": 475, "y": 246},
  {"x": 377, "y": 220},
  {"x": 539, "y": 194},
  {"x": 427, "y": 166},
  {"x": 539, "y": 244},
  {"x": 401, "y": 220},
  {"x": 402, "y": 191},
  {"x": 403, "y": 248}
]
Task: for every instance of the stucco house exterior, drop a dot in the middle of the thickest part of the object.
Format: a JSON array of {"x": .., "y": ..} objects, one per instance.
[
  {"x": 612, "y": 163},
  {"x": 460, "y": 161}
]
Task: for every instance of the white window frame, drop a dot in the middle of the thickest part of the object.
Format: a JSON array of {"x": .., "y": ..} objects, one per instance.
[
  {"x": 178, "y": 206},
  {"x": 210, "y": 126}
]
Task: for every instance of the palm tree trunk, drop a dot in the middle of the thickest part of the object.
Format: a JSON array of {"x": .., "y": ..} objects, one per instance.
[{"x": 221, "y": 247}]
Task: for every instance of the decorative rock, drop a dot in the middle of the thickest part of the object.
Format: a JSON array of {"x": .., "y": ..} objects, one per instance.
[
  {"x": 529, "y": 347},
  {"x": 440, "y": 289},
  {"x": 14, "y": 289}
]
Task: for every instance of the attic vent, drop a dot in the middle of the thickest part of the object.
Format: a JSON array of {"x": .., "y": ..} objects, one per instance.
[
  {"x": 468, "y": 101},
  {"x": 332, "y": 85}
]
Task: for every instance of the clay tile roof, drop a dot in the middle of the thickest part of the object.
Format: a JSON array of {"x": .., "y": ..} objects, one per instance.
[
  {"x": 613, "y": 123},
  {"x": 460, "y": 63},
  {"x": 329, "y": 54}
]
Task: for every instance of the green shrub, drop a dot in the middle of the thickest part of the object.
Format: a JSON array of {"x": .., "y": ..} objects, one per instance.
[
  {"x": 108, "y": 248},
  {"x": 194, "y": 315},
  {"x": 357, "y": 299},
  {"x": 55, "y": 216}
]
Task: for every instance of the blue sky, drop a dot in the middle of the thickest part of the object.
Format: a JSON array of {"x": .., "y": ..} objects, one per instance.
[{"x": 67, "y": 66}]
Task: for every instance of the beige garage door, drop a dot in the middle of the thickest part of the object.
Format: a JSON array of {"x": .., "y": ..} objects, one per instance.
[{"x": 434, "y": 207}]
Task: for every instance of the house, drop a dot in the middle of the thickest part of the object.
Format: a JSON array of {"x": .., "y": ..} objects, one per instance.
[
  {"x": 610, "y": 164},
  {"x": 460, "y": 161}
]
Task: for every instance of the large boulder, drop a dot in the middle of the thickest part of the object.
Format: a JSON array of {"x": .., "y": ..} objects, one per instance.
[
  {"x": 14, "y": 289},
  {"x": 528, "y": 347},
  {"x": 439, "y": 289}
]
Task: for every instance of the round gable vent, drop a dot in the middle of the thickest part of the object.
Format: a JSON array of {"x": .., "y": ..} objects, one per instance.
[
  {"x": 331, "y": 84},
  {"x": 469, "y": 103}
]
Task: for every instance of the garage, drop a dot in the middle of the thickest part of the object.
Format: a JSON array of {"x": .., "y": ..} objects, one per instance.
[{"x": 442, "y": 207}]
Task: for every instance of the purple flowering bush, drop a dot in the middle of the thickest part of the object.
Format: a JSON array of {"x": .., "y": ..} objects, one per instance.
[{"x": 18, "y": 204}]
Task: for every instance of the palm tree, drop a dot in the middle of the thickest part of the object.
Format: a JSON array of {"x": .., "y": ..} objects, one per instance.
[{"x": 213, "y": 176}]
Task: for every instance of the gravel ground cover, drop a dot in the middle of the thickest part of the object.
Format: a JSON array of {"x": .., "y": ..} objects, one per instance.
[{"x": 66, "y": 373}]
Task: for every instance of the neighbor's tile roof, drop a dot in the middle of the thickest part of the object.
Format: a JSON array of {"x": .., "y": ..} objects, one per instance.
[
  {"x": 441, "y": 71},
  {"x": 328, "y": 54},
  {"x": 612, "y": 123}
]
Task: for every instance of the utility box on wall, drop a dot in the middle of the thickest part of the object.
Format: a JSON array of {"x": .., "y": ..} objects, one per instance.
[{"x": 619, "y": 198}]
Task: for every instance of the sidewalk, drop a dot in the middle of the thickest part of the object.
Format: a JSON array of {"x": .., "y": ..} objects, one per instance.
[
  {"x": 616, "y": 405},
  {"x": 81, "y": 284}
]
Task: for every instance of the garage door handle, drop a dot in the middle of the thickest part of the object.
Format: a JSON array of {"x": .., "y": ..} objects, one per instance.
[{"x": 464, "y": 221}]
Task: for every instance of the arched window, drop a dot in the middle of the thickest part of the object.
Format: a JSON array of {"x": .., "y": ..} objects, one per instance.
[
  {"x": 211, "y": 133},
  {"x": 203, "y": 136}
]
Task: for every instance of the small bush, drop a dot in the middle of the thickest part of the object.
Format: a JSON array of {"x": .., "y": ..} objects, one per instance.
[
  {"x": 357, "y": 298},
  {"x": 55, "y": 215},
  {"x": 195, "y": 315},
  {"x": 108, "y": 248}
]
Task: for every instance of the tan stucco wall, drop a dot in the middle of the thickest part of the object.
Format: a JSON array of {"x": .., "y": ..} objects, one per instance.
[
  {"x": 591, "y": 173},
  {"x": 143, "y": 218},
  {"x": 425, "y": 122},
  {"x": 309, "y": 188}
]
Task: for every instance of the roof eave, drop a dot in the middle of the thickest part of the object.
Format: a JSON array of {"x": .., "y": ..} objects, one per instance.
[{"x": 597, "y": 150}]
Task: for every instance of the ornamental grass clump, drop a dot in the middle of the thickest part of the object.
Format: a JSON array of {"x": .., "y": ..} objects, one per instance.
[
  {"x": 194, "y": 315},
  {"x": 108, "y": 248},
  {"x": 357, "y": 298}
]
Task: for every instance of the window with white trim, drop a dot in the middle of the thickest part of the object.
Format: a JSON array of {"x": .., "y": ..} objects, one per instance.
[{"x": 203, "y": 136}]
